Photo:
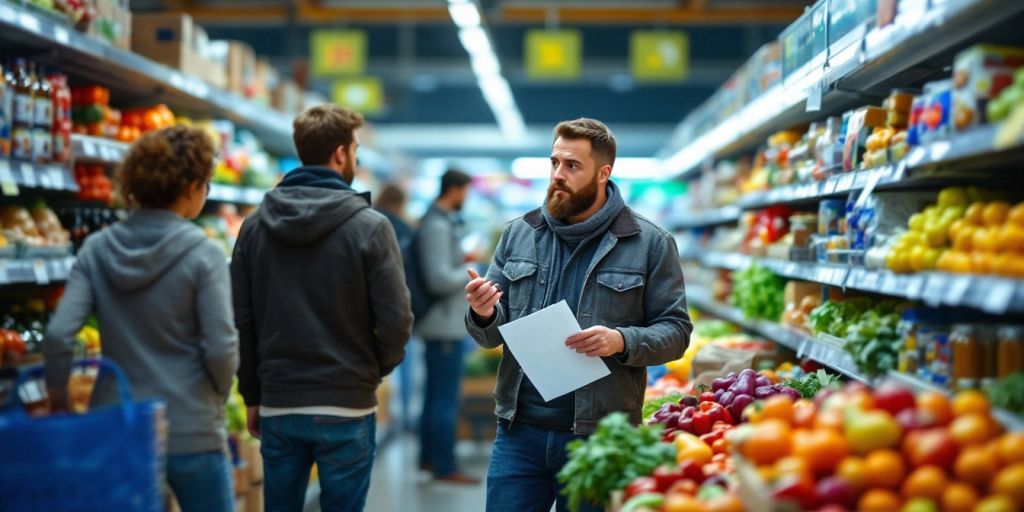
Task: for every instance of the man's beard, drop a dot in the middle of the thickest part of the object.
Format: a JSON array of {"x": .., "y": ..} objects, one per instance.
[
  {"x": 576, "y": 203},
  {"x": 349, "y": 172}
]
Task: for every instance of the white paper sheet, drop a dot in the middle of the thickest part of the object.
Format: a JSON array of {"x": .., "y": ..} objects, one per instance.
[{"x": 538, "y": 342}]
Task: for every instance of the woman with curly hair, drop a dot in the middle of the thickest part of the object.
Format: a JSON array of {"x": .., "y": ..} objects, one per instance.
[{"x": 161, "y": 292}]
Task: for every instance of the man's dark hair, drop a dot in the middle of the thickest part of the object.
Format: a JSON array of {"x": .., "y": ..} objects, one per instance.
[
  {"x": 453, "y": 179},
  {"x": 320, "y": 130},
  {"x": 602, "y": 142},
  {"x": 391, "y": 197}
]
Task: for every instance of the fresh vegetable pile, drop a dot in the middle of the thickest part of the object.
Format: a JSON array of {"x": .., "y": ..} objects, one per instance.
[
  {"x": 810, "y": 385},
  {"x": 1008, "y": 393},
  {"x": 869, "y": 328},
  {"x": 758, "y": 292}
]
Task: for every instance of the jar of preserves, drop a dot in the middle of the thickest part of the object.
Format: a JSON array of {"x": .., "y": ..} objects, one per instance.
[
  {"x": 967, "y": 356},
  {"x": 1010, "y": 350}
]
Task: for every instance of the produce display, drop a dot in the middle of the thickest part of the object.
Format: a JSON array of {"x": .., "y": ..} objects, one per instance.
[{"x": 758, "y": 292}]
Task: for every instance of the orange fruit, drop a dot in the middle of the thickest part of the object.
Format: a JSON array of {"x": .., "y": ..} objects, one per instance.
[
  {"x": 779, "y": 407},
  {"x": 996, "y": 213},
  {"x": 937, "y": 405},
  {"x": 771, "y": 440},
  {"x": 832, "y": 419},
  {"x": 1016, "y": 215},
  {"x": 925, "y": 482},
  {"x": 793, "y": 465},
  {"x": 996, "y": 504},
  {"x": 823, "y": 449},
  {"x": 1011, "y": 238},
  {"x": 879, "y": 500},
  {"x": 957, "y": 226},
  {"x": 981, "y": 262},
  {"x": 970, "y": 429},
  {"x": 1010, "y": 448},
  {"x": 975, "y": 465},
  {"x": 1002, "y": 264},
  {"x": 677, "y": 502},
  {"x": 803, "y": 413},
  {"x": 975, "y": 214},
  {"x": 862, "y": 400},
  {"x": 725, "y": 503},
  {"x": 970, "y": 401},
  {"x": 851, "y": 469},
  {"x": 983, "y": 240},
  {"x": 959, "y": 497},
  {"x": 964, "y": 239},
  {"x": 1010, "y": 483},
  {"x": 884, "y": 468}
]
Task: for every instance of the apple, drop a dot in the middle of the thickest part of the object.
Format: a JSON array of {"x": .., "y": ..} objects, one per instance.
[
  {"x": 931, "y": 447},
  {"x": 893, "y": 399},
  {"x": 835, "y": 491}
]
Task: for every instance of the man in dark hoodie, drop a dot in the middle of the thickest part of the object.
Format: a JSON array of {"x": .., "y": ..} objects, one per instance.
[{"x": 323, "y": 314}]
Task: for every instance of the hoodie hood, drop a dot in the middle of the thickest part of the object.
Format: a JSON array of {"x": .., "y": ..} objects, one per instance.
[
  {"x": 144, "y": 246},
  {"x": 301, "y": 215}
]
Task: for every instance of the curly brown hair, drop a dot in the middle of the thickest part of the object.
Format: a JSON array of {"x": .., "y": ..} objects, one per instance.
[{"x": 162, "y": 164}]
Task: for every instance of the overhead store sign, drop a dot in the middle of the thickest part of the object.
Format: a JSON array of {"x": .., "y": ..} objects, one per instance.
[
  {"x": 659, "y": 56},
  {"x": 363, "y": 94},
  {"x": 338, "y": 52},
  {"x": 554, "y": 54}
]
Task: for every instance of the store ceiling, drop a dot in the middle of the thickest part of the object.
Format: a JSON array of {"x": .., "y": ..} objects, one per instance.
[{"x": 414, "y": 49}]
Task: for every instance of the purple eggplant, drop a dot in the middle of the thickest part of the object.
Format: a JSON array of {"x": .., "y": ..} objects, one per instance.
[
  {"x": 690, "y": 401},
  {"x": 727, "y": 398},
  {"x": 718, "y": 384},
  {"x": 732, "y": 375},
  {"x": 718, "y": 395},
  {"x": 792, "y": 393},
  {"x": 688, "y": 412},
  {"x": 738, "y": 404},
  {"x": 675, "y": 407},
  {"x": 761, "y": 380},
  {"x": 745, "y": 386},
  {"x": 748, "y": 372},
  {"x": 673, "y": 419},
  {"x": 763, "y": 392}
]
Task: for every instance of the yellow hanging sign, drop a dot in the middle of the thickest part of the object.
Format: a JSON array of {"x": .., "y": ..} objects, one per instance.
[
  {"x": 337, "y": 52},
  {"x": 659, "y": 56},
  {"x": 363, "y": 94},
  {"x": 554, "y": 54}
]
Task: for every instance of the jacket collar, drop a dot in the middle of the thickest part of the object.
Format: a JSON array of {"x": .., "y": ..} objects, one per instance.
[{"x": 623, "y": 226}]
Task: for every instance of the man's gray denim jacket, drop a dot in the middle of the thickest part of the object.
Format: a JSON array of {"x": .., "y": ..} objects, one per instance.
[{"x": 634, "y": 284}]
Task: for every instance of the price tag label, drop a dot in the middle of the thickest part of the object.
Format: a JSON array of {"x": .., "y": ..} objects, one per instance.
[
  {"x": 802, "y": 349},
  {"x": 860, "y": 178},
  {"x": 4, "y": 278},
  {"x": 39, "y": 269},
  {"x": 845, "y": 183},
  {"x": 822, "y": 275},
  {"x": 28, "y": 174},
  {"x": 7, "y": 183},
  {"x": 45, "y": 181},
  {"x": 934, "y": 289},
  {"x": 915, "y": 287},
  {"x": 957, "y": 290},
  {"x": 839, "y": 277},
  {"x": 915, "y": 157},
  {"x": 829, "y": 186},
  {"x": 61, "y": 35},
  {"x": 871, "y": 280},
  {"x": 89, "y": 149},
  {"x": 939, "y": 150},
  {"x": 814, "y": 94},
  {"x": 791, "y": 269},
  {"x": 899, "y": 171},
  {"x": 869, "y": 189},
  {"x": 57, "y": 177},
  {"x": 1000, "y": 297},
  {"x": 889, "y": 284}
]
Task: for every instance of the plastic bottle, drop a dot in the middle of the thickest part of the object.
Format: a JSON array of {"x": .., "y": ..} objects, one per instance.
[
  {"x": 6, "y": 106},
  {"x": 21, "y": 127},
  {"x": 42, "y": 119},
  {"x": 61, "y": 129}
]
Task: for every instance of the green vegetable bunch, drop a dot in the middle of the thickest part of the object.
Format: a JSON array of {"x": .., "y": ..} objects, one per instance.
[
  {"x": 1008, "y": 393},
  {"x": 758, "y": 292},
  {"x": 615, "y": 455},
  {"x": 652, "y": 406},
  {"x": 810, "y": 384},
  {"x": 868, "y": 327},
  {"x": 710, "y": 328}
]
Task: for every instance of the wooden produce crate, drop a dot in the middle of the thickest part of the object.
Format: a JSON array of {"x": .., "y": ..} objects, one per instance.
[{"x": 476, "y": 415}]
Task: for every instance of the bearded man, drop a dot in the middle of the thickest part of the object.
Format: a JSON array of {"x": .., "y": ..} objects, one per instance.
[{"x": 620, "y": 275}]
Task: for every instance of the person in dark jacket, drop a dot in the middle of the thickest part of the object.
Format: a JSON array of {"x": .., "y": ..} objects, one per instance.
[
  {"x": 161, "y": 292},
  {"x": 323, "y": 315}
]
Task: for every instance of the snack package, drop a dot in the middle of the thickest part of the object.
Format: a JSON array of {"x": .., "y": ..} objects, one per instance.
[{"x": 980, "y": 73}]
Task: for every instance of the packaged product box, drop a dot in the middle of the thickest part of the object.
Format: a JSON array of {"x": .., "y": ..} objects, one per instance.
[
  {"x": 266, "y": 81},
  {"x": 287, "y": 97},
  {"x": 980, "y": 73},
  {"x": 216, "y": 58},
  {"x": 112, "y": 22},
  {"x": 935, "y": 123},
  {"x": 167, "y": 39},
  {"x": 862, "y": 123},
  {"x": 241, "y": 68}
]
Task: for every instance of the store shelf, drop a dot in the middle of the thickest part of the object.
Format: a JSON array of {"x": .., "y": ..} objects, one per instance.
[
  {"x": 97, "y": 149},
  {"x": 133, "y": 78},
  {"x": 1008, "y": 419},
  {"x": 851, "y": 76},
  {"x": 238, "y": 195},
  {"x": 35, "y": 271},
  {"x": 996, "y": 295},
  {"x": 707, "y": 218},
  {"x": 827, "y": 352},
  {"x": 15, "y": 175}
]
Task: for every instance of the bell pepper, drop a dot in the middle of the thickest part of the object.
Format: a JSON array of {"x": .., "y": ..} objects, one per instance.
[
  {"x": 692, "y": 470},
  {"x": 707, "y": 396},
  {"x": 690, "y": 447},
  {"x": 665, "y": 476},
  {"x": 701, "y": 423},
  {"x": 641, "y": 485}
]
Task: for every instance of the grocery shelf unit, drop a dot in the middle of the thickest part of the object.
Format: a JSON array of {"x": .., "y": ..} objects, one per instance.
[{"x": 859, "y": 69}]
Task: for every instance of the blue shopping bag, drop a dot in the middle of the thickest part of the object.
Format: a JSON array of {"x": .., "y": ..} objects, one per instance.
[{"x": 110, "y": 458}]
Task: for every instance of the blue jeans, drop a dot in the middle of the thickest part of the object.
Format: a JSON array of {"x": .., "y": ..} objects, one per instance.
[
  {"x": 343, "y": 449},
  {"x": 441, "y": 405},
  {"x": 201, "y": 481},
  {"x": 523, "y": 475}
]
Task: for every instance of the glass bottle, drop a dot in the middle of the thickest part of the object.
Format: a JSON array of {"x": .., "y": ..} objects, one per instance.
[
  {"x": 42, "y": 118},
  {"x": 1011, "y": 350},
  {"x": 21, "y": 127},
  {"x": 967, "y": 353},
  {"x": 6, "y": 105}
]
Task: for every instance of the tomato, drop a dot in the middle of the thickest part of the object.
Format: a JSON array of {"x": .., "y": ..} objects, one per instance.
[
  {"x": 823, "y": 449},
  {"x": 925, "y": 482},
  {"x": 879, "y": 500},
  {"x": 686, "y": 487},
  {"x": 937, "y": 405},
  {"x": 132, "y": 118},
  {"x": 893, "y": 398},
  {"x": 852, "y": 470},
  {"x": 803, "y": 413},
  {"x": 832, "y": 419},
  {"x": 970, "y": 429},
  {"x": 720, "y": 446},
  {"x": 151, "y": 120},
  {"x": 884, "y": 469},
  {"x": 930, "y": 447},
  {"x": 796, "y": 489},
  {"x": 1010, "y": 448},
  {"x": 974, "y": 465},
  {"x": 779, "y": 407},
  {"x": 770, "y": 441},
  {"x": 872, "y": 430},
  {"x": 642, "y": 485},
  {"x": 1010, "y": 483},
  {"x": 959, "y": 497}
]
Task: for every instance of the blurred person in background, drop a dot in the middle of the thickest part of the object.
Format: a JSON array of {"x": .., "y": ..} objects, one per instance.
[
  {"x": 323, "y": 315},
  {"x": 162, "y": 294},
  {"x": 442, "y": 328},
  {"x": 391, "y": 201},
  {"x": 619, "y": 274}
]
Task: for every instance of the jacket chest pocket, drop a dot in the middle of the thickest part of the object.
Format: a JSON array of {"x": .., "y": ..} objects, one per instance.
[
  {"x": 620, "y": 296},
  {"x": 520, "y": 276}
]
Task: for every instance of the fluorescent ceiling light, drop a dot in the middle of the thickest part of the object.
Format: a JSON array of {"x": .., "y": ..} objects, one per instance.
[
  {"x": 534, "y": 168},
  {"x": 485, "y": 65},
  {"x": 475, "y": 41},
  {"x": 497, "y": 92},
  {"x": 464, "y": 14}
]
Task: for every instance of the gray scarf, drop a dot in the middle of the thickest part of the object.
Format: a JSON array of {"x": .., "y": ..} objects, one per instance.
[{"x": 597, "y": 224}]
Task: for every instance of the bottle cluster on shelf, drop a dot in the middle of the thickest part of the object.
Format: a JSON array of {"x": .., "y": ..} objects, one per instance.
[{"x": 35, "y": 113}]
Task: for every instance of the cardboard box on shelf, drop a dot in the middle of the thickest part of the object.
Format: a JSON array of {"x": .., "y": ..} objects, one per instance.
[
  {"x": 112, "y": 23},
  {"x": 241, "y": 68},
  {"x": 167, "y": 39},
  {"x": 266, "y": 81},
  {"x": 287, "y": 97}
]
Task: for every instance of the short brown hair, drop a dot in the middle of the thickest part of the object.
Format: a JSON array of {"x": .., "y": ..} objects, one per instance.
[
  {"x": 162, "y": 164},
  {"x": 602, "y": 142},
  {"x": 320, "y": 130},
  {"x": 391, "y": 196}
]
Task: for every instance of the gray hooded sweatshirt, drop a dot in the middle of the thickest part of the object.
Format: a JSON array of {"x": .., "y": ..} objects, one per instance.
[{"x": 161, "y": 292}]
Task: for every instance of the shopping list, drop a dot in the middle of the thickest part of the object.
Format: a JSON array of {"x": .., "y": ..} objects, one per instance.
[{"x": 538, "y": 343}]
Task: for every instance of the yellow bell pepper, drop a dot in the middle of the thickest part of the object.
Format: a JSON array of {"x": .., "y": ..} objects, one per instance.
[{"x": 690, "y": 447}]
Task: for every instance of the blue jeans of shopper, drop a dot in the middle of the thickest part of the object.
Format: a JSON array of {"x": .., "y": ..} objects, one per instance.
[
  {"x": 201, "y": 481},
  {"x": 523, "y": 475},
  {"x": 343, "y": 449},
  {"x": 441, "y": 405}
]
